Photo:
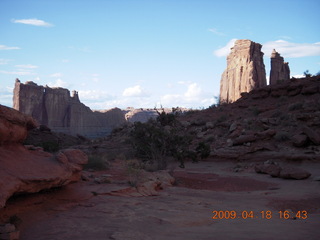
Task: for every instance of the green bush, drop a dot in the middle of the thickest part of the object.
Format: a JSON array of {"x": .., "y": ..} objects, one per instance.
[
  {"x": 203, "y": 150},
  {"x": 50, "y": 146},
  {"x": 158, "y": 139},
  {"x": 97, "y": 162}
]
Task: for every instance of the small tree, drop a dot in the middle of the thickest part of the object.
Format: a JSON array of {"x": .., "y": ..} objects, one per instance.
[
  {"x": 307, "y": 74},
  {"x": 160, "y": 138}
]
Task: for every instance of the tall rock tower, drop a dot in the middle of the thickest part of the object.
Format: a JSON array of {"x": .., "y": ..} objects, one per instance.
[
  {"x": 245, "y": 71},
  {"x": 280, "y": 70}
]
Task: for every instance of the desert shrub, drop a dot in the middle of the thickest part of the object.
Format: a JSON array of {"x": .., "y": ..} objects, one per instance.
[
  {"x": 97, "y": 162},
  {"x": 158, "y": 139},
  {"x": 203, "y": 150},
  {"x": 50, "y": 146},
  {"x": 307, "y": 74},
  {"x": 133, "y": 169}
]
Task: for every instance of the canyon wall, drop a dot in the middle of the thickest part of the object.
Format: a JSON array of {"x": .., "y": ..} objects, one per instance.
[{"x": 62, "y": 112}]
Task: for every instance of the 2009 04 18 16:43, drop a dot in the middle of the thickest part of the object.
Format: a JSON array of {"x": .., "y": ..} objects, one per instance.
[{"x": 303, "y": 214}]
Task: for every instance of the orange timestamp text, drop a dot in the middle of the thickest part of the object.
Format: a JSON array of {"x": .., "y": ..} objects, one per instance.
[{"x": 219, "y": 214}]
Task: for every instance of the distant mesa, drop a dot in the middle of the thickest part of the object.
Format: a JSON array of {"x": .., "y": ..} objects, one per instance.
[{"x": 246, "y": 70}]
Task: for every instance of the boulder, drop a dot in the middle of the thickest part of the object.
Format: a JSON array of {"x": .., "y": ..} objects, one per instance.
[
  {"x": 244, "y": 139},
  {"x": 294, "y": 173},
  {"x": 9, "y": 232},
  {"x": 299, "y": 140},
  {"x": 271, "y": 168},
  {"x": 287, "y": 172},
  {"x": 266, "y": 134},
  {"x": 14, "y": 126},
  {"x": 312, "y": 135}
]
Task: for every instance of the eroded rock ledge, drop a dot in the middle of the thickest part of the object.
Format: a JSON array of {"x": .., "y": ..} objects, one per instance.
[{"x": 26, "y": 169}]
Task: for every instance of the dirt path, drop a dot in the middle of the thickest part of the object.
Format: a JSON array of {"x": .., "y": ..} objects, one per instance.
[{"x": 183, "y": 211}]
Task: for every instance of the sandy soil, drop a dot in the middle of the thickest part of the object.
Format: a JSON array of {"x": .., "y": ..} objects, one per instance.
[{"x": 183, "y": 211}]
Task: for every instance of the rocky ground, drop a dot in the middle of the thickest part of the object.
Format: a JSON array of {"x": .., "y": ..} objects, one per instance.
[{"x": 273, "y": 130}]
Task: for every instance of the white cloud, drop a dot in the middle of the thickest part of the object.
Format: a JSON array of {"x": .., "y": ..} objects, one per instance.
[
  {"x": 20, "y": 73},
  {"x": 4, "y": 61},
  {"x": 194, "y": 91},
  {"x": 65, "y": 60},
  {"x": 135, "y": 91},
  {"x": 292, "y": 50},
  {"x": 4, "y": 47},
  {"x": 28, "y": 66},
  {"x": 97, "y": 95},
  {"x": 285, "y": 48},
  {"x": 224, "y": 51},
  {"x": 216, "y": 32},
  {"x": 59, "y": 83},
  {"x": 194, "y": 96},
  {"x": 56, "y": 75},
  {"x": 298, "y": 76},
  {"x": 33, "y": 21}
]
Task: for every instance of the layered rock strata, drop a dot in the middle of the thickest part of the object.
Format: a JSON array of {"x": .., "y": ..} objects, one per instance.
[
  {"x": 245, "y": 71},
  {"x": 28, "y": 169},
  {"x": 280, "y": 70},
  {"x": 55, "y": 108}
]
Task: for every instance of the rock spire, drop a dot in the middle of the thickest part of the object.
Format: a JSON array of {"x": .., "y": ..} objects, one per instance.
[
  {"x": 280, "y": 70},
  {"x": 245, "y": 71}
]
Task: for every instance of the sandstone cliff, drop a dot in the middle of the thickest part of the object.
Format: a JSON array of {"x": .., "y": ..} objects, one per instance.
[
  {"x": 27, "y": 169},
  {"x": 280, "y": 70},
  {"x": 245, "y": 71},
  {"x": 55, "y": 108}
]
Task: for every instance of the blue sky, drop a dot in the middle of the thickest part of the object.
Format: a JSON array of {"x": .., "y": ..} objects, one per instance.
[{"x": 119, "y": 53}]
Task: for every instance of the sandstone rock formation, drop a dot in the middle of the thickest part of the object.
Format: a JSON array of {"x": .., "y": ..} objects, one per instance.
[
  {"x": 280, "y": 70},
  {"x": 55, "y": 108},
  {"x": 274, "y": 170},
  {"x": 29, "y": 169},
  {"x": 14, "y": 126},
  {"x": 245, "y": 71}
]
